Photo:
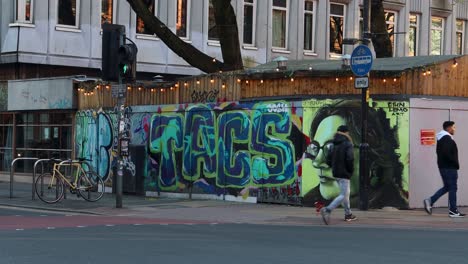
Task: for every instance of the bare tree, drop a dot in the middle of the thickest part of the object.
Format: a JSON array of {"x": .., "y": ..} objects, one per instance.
[
  {"x": 380, "y": 35},
  {"x": 227, "y": 31}
]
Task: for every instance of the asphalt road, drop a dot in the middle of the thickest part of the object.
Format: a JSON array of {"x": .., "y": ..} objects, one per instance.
[{"x": 163, "y": 242}]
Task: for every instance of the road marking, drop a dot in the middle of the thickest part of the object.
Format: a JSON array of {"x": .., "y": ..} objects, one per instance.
[
  {"x": 81, "y": 226},
  {"x": 137, "y": 224},
  {"x": 163, "y": 224},
  {"x": 50, "y": 227},
  {"x": 19, "y": 229},
  {"x": 110, "y": 225}
]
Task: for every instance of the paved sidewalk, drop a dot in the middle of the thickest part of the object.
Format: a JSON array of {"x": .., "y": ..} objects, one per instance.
[{"x": 218, "y": 211}]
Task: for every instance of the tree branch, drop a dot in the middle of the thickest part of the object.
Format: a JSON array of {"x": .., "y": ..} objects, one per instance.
[{"x": 189, "y": 53}]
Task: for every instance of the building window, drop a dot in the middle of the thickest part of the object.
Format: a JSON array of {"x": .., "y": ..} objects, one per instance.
[
  {"x": 212, "y": 28},
  {"x": 140, "y": 25},
  {"x": 43, "y": 135},
  {"x": 182, "y": 18},
  {"x": 309, "y": 25},
  {"x": 280, "y": 23},
  {"x": 24, "y": 11},
  {"x": 460, "y": 36},
  {"x": 437, "y": 35},
  {"x": 249, "y": 22},
  {"x": 337, "y": 26},
  {"x": 107, "y": 11},
  {"x": 413, "y": 35},
  {"x": 390, "y": 18},
  {"x": 69, "y": 13}
]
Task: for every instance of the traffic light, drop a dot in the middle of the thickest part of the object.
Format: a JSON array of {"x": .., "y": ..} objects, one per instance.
[
  {"x": 112, "y": 38},
  {"x": 127, "y": 62}
]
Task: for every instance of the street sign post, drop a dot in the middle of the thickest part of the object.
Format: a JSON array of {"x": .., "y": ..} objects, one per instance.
[
  {"x": 361, "y": 60},
  {"x": 361, "y": 64}
]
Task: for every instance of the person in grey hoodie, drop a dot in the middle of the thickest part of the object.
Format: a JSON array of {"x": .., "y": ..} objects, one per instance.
[
  {"x": 447, "y": 161},
  {"x": 342, "y": 162}
]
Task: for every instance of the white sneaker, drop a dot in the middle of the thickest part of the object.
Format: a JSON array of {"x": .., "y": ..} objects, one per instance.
[
  {"x": 456, "y": 214},
  {"x": 427, "y": 206}
]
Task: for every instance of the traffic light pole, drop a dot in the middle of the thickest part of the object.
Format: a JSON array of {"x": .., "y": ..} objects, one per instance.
[
  {"x": 118, "y": 66},
  {"x": 364, "y": 147},
  {"x": 121, "y": 129}
]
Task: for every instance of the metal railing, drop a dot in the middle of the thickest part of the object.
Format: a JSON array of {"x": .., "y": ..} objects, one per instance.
[{"x": 12, "y": 173}]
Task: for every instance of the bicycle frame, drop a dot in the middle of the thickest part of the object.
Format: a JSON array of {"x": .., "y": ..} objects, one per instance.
[{"x": 79, "y": 171}]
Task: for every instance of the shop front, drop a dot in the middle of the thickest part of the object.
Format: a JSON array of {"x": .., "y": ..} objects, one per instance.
[{"x": 38, "y": 122}]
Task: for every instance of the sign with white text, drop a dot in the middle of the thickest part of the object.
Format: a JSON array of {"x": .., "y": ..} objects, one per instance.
[
  {"x": 361, "y": 82},
  {"x": 361, "y": 60}
]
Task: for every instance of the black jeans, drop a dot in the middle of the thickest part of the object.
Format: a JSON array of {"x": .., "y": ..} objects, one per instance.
[{"x": 449, "y": 177}]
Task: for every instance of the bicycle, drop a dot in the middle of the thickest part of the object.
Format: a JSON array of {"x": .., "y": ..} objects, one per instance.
[{"x": 50, "y": 187}]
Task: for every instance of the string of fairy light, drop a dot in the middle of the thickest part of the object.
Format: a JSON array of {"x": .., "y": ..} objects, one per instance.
[
  {"x": 89, "y": 90},
  {"x": 424, "y": 71},
  {"x": 221, "y": 78}
]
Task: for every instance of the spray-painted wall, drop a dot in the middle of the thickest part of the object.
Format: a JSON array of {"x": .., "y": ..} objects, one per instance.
[{"x": 254, "y": 149}]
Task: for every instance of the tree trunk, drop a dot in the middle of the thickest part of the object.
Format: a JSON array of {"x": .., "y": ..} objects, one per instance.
[
  {"x": 380, "y": 37},
  {"x": 193, "y": 56},
  {"x": 228, "y": 34}
]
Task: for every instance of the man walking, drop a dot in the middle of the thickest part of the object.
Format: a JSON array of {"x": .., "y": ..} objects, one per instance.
[
  {"x": 342, "y": 163},
  {"x": 447, "y": 161}
]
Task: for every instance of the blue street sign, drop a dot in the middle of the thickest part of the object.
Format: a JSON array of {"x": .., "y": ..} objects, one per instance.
[{"x": 361, "y": 60}]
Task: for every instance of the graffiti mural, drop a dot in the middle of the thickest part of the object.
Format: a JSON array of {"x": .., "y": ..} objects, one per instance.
[
  {"x": 94, "y": 140},
  {"x": 388, "y": 130},
  {"x": 253, "y": 148},
  {"x": 204, "y": 96},
  {"x": 223, "y": 148}
]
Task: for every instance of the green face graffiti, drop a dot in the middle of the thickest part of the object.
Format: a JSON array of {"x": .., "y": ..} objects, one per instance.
[{"x": 326, "y": 130}]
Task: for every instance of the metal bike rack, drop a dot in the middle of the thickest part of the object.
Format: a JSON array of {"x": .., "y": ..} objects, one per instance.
[
  {"x": 12, "y": 172},
  {"x": 39, "y": 161},
  {"x": 36, "y": 163}
]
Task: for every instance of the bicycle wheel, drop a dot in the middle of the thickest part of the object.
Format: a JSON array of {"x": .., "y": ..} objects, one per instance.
[
  {"x": 91, "y": 186},
  {"x": 49, "y": 189}
]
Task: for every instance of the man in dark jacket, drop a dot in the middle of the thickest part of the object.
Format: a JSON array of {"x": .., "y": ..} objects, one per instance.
[
  {"x": 342, "y": 163},
  {"x": 447, "y": 161}
]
